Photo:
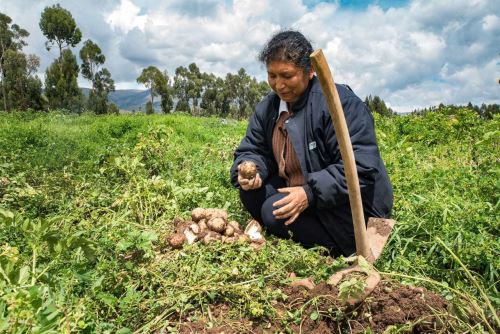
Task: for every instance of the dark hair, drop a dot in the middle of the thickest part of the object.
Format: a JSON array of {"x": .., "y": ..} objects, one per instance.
[{"x": 288, "y": 45}]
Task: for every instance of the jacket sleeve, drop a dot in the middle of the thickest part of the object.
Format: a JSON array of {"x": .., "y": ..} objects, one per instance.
[
  {"x": 254, "y": 147},
  {"x": 329, "y": 186}
]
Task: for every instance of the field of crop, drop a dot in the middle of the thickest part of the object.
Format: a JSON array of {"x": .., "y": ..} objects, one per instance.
[{"x": 86, "y": 203}]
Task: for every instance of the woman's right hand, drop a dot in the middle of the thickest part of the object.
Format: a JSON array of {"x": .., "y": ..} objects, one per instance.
[{"x": 251, "y": 184}]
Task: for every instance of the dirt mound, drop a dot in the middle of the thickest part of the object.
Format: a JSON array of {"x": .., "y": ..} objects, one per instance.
[
  {"x": 389, "y": 304},
  {"x": 320, "y": 311}
]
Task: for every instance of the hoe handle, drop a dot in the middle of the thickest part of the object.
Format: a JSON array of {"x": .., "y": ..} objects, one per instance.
[{"x": 335, "y": 108}]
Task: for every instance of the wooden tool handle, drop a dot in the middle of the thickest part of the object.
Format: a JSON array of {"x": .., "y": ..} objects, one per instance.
[{"x": 335, "y": 108}]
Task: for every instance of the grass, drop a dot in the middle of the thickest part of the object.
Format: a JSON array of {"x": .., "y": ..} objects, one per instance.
[{"x": 87, "y": 201}]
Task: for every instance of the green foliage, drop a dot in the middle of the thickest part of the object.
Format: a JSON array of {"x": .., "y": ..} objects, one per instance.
[
  {"x": 149, "y": 108},
  {"x": 188, "y": 86},
  {"x": 113, "y": 109},
  {"x": 353, "y": 287},
  {"x": 215, "y": 99},
  {"x": 11, "y": 35},
  {"x": 58, "y": 25},
  {"x": 153, "y": 79},
  {"x": 61, "y": 85},
  {"x": 92, "y": 58},
  {"x": 377, "y": 105},
  {"x": 244, "y": 93},
  {"x": 87, "y": 202},
  {"x": 21, "y": 89},
  {"x": 102, "y": 84}
]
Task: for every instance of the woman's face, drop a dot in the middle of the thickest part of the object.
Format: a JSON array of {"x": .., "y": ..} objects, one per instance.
[{"x": 287, "y": 80}]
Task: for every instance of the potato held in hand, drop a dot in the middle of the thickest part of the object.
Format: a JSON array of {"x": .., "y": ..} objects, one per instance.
[{"x": 248, "y": 170}]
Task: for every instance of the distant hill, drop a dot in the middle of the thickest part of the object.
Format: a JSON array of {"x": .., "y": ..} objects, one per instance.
[{"x": 130, "y": 99}]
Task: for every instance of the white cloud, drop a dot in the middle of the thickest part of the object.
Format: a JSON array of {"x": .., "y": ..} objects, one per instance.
[
  {"x": 491, "y": 23},
  {"x": 127, "y": 17},
  {"x": 412, "y": 56}
]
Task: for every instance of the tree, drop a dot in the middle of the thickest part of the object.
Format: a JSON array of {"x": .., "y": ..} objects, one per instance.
[
  {"x": 208, "y": 98},
  {"x": 181, "y": 89},
  {"x": 58, "y": 25},
  {"x": 11, "y": 38},
  {"x": 376, "y": 104},
  {"x": 151, "y": 77},
  {"x": 113, "y": 109},
  {"x": 149, "y": 108},
  {"x": 61, "y": 86},
  {"x": 23, "y": 89},
  {"x": 195, "y": 84},
  {"x": 92, "y": 58},
  {"x": 102, "y": 84},
  {"x": 245, "y": 93},
  {"x": 165, "y": 92}
]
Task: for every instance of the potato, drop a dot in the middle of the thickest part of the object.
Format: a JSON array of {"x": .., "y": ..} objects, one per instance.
[
  {"x": 229, "y": 240},
  {"x": 253, "y": 230},
  {"x": 215, "y": 213},
  {"x": 235, "y": 225},
  {"x": 176, "y": 240},
  {"x": 203, "y": 225},
  {"x": 198, "y": 214},
  {"x": 210, "y": 237},
  {"x": 195, "y": 228},
  {"x": 181, "y": 227},
  {"x": 229, "y": 231},
  {"x": 248, "y": 170},
  {"x": 190, "y": 236},
  {"x": 217, "y": 224}
]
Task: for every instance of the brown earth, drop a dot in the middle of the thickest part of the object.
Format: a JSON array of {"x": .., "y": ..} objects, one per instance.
[{"x": 391, "y": 303}]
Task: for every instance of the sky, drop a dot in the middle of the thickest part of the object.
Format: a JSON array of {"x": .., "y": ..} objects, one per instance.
[{"x": 413, "y": 54}]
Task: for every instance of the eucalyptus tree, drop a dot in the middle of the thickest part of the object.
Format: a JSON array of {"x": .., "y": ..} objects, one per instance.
[
  {"x": 59, "y": 27},
  {"x": 20, "y": 87},
  {"x": 102, "y": 83},
  {"x": 165, "y": 91},
  {"x": 181, "y": 89},
  {"x": 61, "y": 86},
  {"x": 152, "y": 78}
]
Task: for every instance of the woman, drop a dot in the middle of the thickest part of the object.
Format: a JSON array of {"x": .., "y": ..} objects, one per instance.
[{"x": 300, "y": 188}]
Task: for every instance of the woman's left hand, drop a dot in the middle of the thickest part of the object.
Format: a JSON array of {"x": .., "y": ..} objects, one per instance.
[{"x": 292, "y": 205}]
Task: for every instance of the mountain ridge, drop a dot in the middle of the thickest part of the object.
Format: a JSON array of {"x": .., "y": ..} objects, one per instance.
[{"x": 129, "y": 99}]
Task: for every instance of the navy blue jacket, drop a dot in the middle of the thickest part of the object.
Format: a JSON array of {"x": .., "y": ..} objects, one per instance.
[{"x": 313, "y": 136}]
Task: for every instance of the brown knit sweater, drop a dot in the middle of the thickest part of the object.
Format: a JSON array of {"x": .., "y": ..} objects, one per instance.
[{"x": 285, "y": 155}]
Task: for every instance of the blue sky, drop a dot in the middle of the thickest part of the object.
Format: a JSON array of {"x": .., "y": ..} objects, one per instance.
[
  {"x": 413, "y": 54},
  {"x": 360, "y": 4}
]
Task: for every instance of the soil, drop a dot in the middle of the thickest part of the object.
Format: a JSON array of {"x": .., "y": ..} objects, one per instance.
[
  {"x": 389, "y": 304},
  {"x": 381, "y": 226}
]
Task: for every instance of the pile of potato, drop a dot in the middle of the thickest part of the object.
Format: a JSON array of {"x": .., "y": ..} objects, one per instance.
[{"x": 210, "y": 225}]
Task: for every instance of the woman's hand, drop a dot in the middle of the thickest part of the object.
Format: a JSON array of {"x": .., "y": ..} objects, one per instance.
[
  {"x": 292, "y": 205},
  {"x": 246, "y": 184}
]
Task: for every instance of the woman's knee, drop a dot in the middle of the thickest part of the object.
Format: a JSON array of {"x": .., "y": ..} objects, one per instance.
[{"x": 275, "y": 226}]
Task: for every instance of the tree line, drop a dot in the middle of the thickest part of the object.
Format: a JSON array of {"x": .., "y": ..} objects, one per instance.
[
  {"x": 485, "y": 111},
  {"x": 21, "y": 89},
  {"x": 188, "y": 90},
  {"x": 200, "y": 93}
]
